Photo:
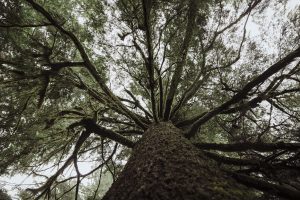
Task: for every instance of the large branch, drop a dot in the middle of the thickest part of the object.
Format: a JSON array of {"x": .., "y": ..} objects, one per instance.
[
  {"x": 90, "y": 125},
  {"x": 192, "y": 12},
  {"x": 24, "y": 25},
  {"x": 232, "y": 161},
  {"x": 248, "y": 105},
  {"x": 262, "y": 147},
  {"x": 137, "y": 103},
  {"x": 101, "y": 98},
  {"x": 242, "y": 94},
  {"x": 267, "y": 94},
  {"x": 190, "y": 121},
  {"x": 147, "y": 5},
  {"x": 280, "y": 190},
  {"x": 59, "y": 65},
  {"x": 87, "y": 62},
  {"x": 192, "y": 89},
  {"x": 161, "y": 92}
]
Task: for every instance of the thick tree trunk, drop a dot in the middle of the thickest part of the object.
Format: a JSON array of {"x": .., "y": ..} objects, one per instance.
[{"x": 165, "y": 165}]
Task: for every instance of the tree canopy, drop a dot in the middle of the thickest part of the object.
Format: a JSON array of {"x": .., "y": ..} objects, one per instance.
[{"x": 81, "y": 81}]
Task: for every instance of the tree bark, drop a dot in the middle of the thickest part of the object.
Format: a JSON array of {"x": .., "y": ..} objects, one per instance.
[{"x": 165, "y": 165}]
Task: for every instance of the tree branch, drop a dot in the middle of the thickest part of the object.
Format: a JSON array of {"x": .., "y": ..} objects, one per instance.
[
  {"x": 217, "y": 33},
  {"x": 193, "y": 7},
  {"x": 45, "y": 187},
  {"x": 262, "y": 147},
  {"x": 232, "y": 161},
  {"x": 137, "y": 103},
  {"x": 147, "y": 5},
  {"x": 280, "y": 190},
  {"x": 244, "y": 91},
  {"x": 24, "y": 25},
  {"x": 87, "y": 62},
  {"x": 60, "y": 65},
  {"x": 90, "y": 125}
]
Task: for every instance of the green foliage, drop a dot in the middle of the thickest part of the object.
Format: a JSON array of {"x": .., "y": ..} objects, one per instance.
[
  {"x": 93, "y": 59},
  {"x": 4, "y": 195}
]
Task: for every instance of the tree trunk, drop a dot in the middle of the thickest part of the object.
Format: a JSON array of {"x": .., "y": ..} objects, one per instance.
[{"x": 165, "y": 165}]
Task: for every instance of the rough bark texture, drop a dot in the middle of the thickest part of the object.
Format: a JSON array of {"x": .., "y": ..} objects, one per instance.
[{"x": 165, "y": 165}]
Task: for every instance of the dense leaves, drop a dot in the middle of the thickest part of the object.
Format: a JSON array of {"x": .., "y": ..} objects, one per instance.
[{"x": 78, "y": 78}]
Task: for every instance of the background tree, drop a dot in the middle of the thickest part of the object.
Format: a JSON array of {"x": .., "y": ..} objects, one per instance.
[{"x": 204, "y": 102}]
